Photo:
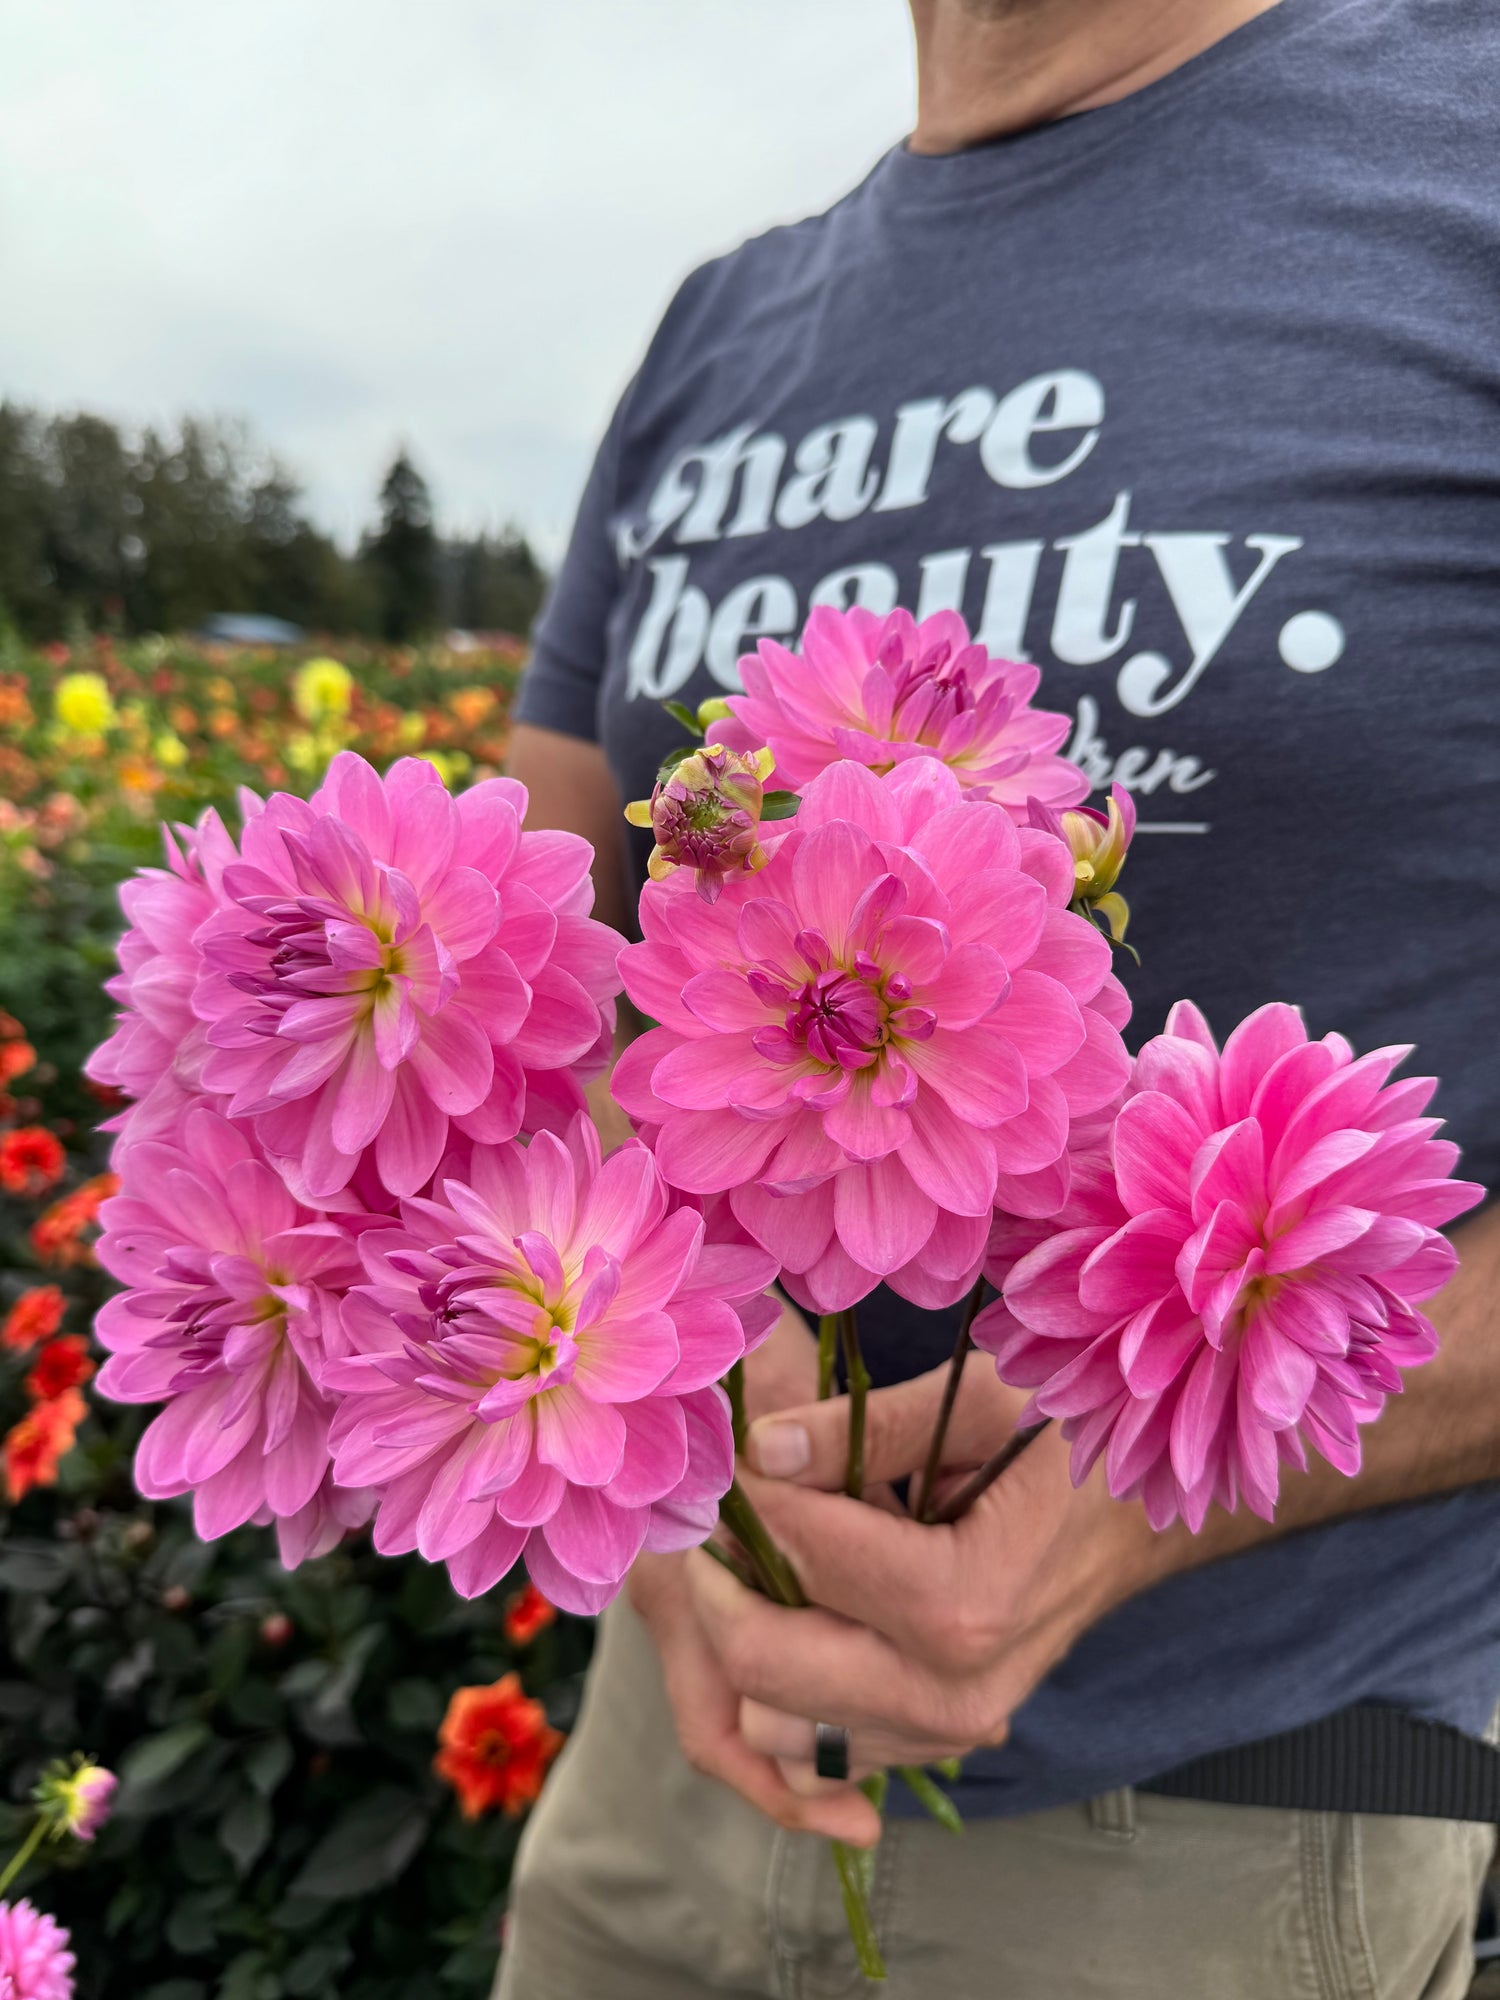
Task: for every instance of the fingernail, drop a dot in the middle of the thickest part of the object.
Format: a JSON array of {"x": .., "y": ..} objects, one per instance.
[{"x": 779, "y": 1450}]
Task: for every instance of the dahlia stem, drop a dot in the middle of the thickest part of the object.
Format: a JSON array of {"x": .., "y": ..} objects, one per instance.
[
  {"x": 828, "y": 1347},
  {"x": 778, "y": 1577},
  {"x": 850, "y": 1862},
  {"x": 955, "y": 1508},
  {"x": 933, "y": 1797},
  {"x": 734, "y": 1382},
  {"x": 742, "y": 1573},
  {"x": 859, "y": 1389},
  {"x": 961, "y": 1348},
  {"x": 23, "y": 1854}
]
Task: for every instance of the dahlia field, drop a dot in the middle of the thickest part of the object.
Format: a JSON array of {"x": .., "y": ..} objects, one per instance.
[{"x": 322, "y": 1775}]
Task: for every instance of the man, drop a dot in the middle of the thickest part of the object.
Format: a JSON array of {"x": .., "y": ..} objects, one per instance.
[{"x": 1165, "y": 350}]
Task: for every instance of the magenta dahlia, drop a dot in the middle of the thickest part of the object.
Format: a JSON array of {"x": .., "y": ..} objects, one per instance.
[
  {"x": 156, "y": 1050},
  {"x": 230, "y": 1307},
  {"x": 35, "y": 1962},
  {"x": 872, "y": 1040},
  {"x": 533, "y": 1368},
  {"x": 392, "y": 962},
  {"x": 883, "y": 690},
  {"x": 1245, "y": 1281}
]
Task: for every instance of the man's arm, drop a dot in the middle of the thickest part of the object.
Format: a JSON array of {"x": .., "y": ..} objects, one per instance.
[{"x": 938, "y": 1634}]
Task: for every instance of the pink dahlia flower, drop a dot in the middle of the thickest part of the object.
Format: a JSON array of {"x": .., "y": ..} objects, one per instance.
[
  {"x": 231, "y": 1306},
  {"x": 1247, "y": 1281},
  {"x": 883, "y": 690},
  {"x": 535, "y": 1355},
  {"x": 35, "y": 1963},
  {"x": 886, "y": 1030},
  {"x": 393, "y": 963},
  {"x": 157, "y": 1048}
]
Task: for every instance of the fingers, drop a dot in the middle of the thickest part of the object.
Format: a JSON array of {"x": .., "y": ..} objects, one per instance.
[
  {"x": 810, "y": 1444},
  {"x": 811, "y": 1664},
  {"x": 877, "y": 1567},
  {"x": 705, "y": 1710},
  {"x": 792, "y": 1741}
]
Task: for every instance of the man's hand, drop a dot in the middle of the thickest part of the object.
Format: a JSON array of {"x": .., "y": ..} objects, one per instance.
[
  {"x": 923, "y": 1640},
  {"x": 781, "y": 1373}
]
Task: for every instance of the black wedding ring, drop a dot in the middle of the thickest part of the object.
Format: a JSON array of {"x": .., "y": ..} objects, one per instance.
[{"x": 831, "y": 1751}]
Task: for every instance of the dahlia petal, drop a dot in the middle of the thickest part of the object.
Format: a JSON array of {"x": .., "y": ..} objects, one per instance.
[
  {"x": 480, "y": 1565},
  {"x": 846, "y": 791},
  {"x": 1042, "y": 1290},
  {"x": 560, "y": 1586},
  {"x": 1157, "y": 1344},
  {"x": 1276, "y": 1374},
  {"x": 705, "y": 1151},
  {"x": 621, "y": 1359},
  {"x": 584, "y": 1440},
  {"x": 1154, "y": 1142},
  {"x": 1319, "y": 1236},
  {"x": 976, "y": 1071},
  {"x": 1201, "y": 1406},
  {"x": 1100, "y": 1070},
  {"x": 593, "y": 1538},
  {"x": 794, "y": 1228},
  {"x": 1134, "y": 1266},
  {"x": 864, "y": 1129},
  {"x": 1271, "y": 1031},
  {"x": 363, "y": 1097},
  {"x": 453, "y": 1061},
  {"x": 656, "y": 1452},
  {"x": 881, "y": 1217},
  {"x": 412, "y": 1138}
]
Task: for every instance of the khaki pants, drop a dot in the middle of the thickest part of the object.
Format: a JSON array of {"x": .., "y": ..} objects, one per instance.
[{"x": 640, "y": 1880}]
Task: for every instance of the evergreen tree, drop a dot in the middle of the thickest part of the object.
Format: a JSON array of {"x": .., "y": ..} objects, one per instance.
[{"x": 403, "y": 554}]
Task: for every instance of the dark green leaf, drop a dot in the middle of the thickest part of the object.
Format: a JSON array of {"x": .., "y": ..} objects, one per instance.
[
  {"x": 779, "y": 805},
  {"x": 190, "y": 1928},
  {"x": 156, "y": 1757},
  {"x": 245, "y": 1830},
  {"x": 414, "y": 1705},
  {"x": 368, "y": 1845},
  {"x": 267, "y": 1763},
  {"x": 670, "y": 762},
  {"x": 315, "y": 1968},
  {"x": 680, "y": 713}
]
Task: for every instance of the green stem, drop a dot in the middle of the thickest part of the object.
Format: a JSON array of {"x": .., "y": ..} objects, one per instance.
[
  {"x": 741, "y": 1572},
  {"x": 923, "y": 1508},
  {"x": 988, "y": 1473},
  {"x": 23, "y": 1854},
  {"x": 933, "y": 1797},
  {"x": 734, "y": 1382},
  {"x": 859, "y": 1389},
  {"x": 828, "y": 1345},
  {"x": 777, "y": 1575},
  {"x": 850, "y": 1864}
]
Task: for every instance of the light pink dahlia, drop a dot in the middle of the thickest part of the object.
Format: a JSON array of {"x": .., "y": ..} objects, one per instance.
[
  {"x": 231, "y": 1306},
  {"x": 888, "y": 1028},
  {"x": 156, "y": 1050},
  {"x": 883, "y": 690},
  {"x": 395, "y": 962},
  {"x": 35, "y": 1962},
  {"x": 534, "y": 1368},
  {"x": 1249, "y": 1283}
]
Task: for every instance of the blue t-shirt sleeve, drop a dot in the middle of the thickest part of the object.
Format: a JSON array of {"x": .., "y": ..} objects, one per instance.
[{"x": 560, "y": 688}]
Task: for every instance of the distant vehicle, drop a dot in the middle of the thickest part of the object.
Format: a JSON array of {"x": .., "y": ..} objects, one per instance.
[{"x": 249, "y": 628}]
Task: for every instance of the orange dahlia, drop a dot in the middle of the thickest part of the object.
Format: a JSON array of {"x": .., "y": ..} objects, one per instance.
[{"x": 496, "y": 1747}]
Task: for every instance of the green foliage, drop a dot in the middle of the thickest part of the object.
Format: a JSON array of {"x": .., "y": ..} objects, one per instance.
[
  {"x": 101, "y": 529},
  {"x": 278, "y": 1828}
]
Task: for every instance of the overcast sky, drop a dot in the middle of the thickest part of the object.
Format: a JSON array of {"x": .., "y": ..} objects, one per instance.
[{"x": 448, "y": 222}]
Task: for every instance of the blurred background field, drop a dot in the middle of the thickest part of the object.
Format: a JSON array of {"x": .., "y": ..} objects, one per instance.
[{"x": 281, "y": 1828}]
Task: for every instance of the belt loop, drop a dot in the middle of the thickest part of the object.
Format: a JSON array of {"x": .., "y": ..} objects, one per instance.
[{"x": 1113, "y": 1814}]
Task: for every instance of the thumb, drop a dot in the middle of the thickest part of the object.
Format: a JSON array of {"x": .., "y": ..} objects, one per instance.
[{"x": 810, "y": 1444}]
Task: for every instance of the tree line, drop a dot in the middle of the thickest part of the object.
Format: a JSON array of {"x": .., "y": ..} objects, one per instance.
[{"x": 153, "y": 531}]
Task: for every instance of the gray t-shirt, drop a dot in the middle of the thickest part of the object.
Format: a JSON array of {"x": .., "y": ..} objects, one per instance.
[{"x": 1195, "y": 401}]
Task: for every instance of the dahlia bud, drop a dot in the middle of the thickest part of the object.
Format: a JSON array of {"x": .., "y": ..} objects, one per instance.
[
  {"x": 706, "y": 815},
  {"x": 1098, "y": 842},
  {"x": 75, "y": 1798}
]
